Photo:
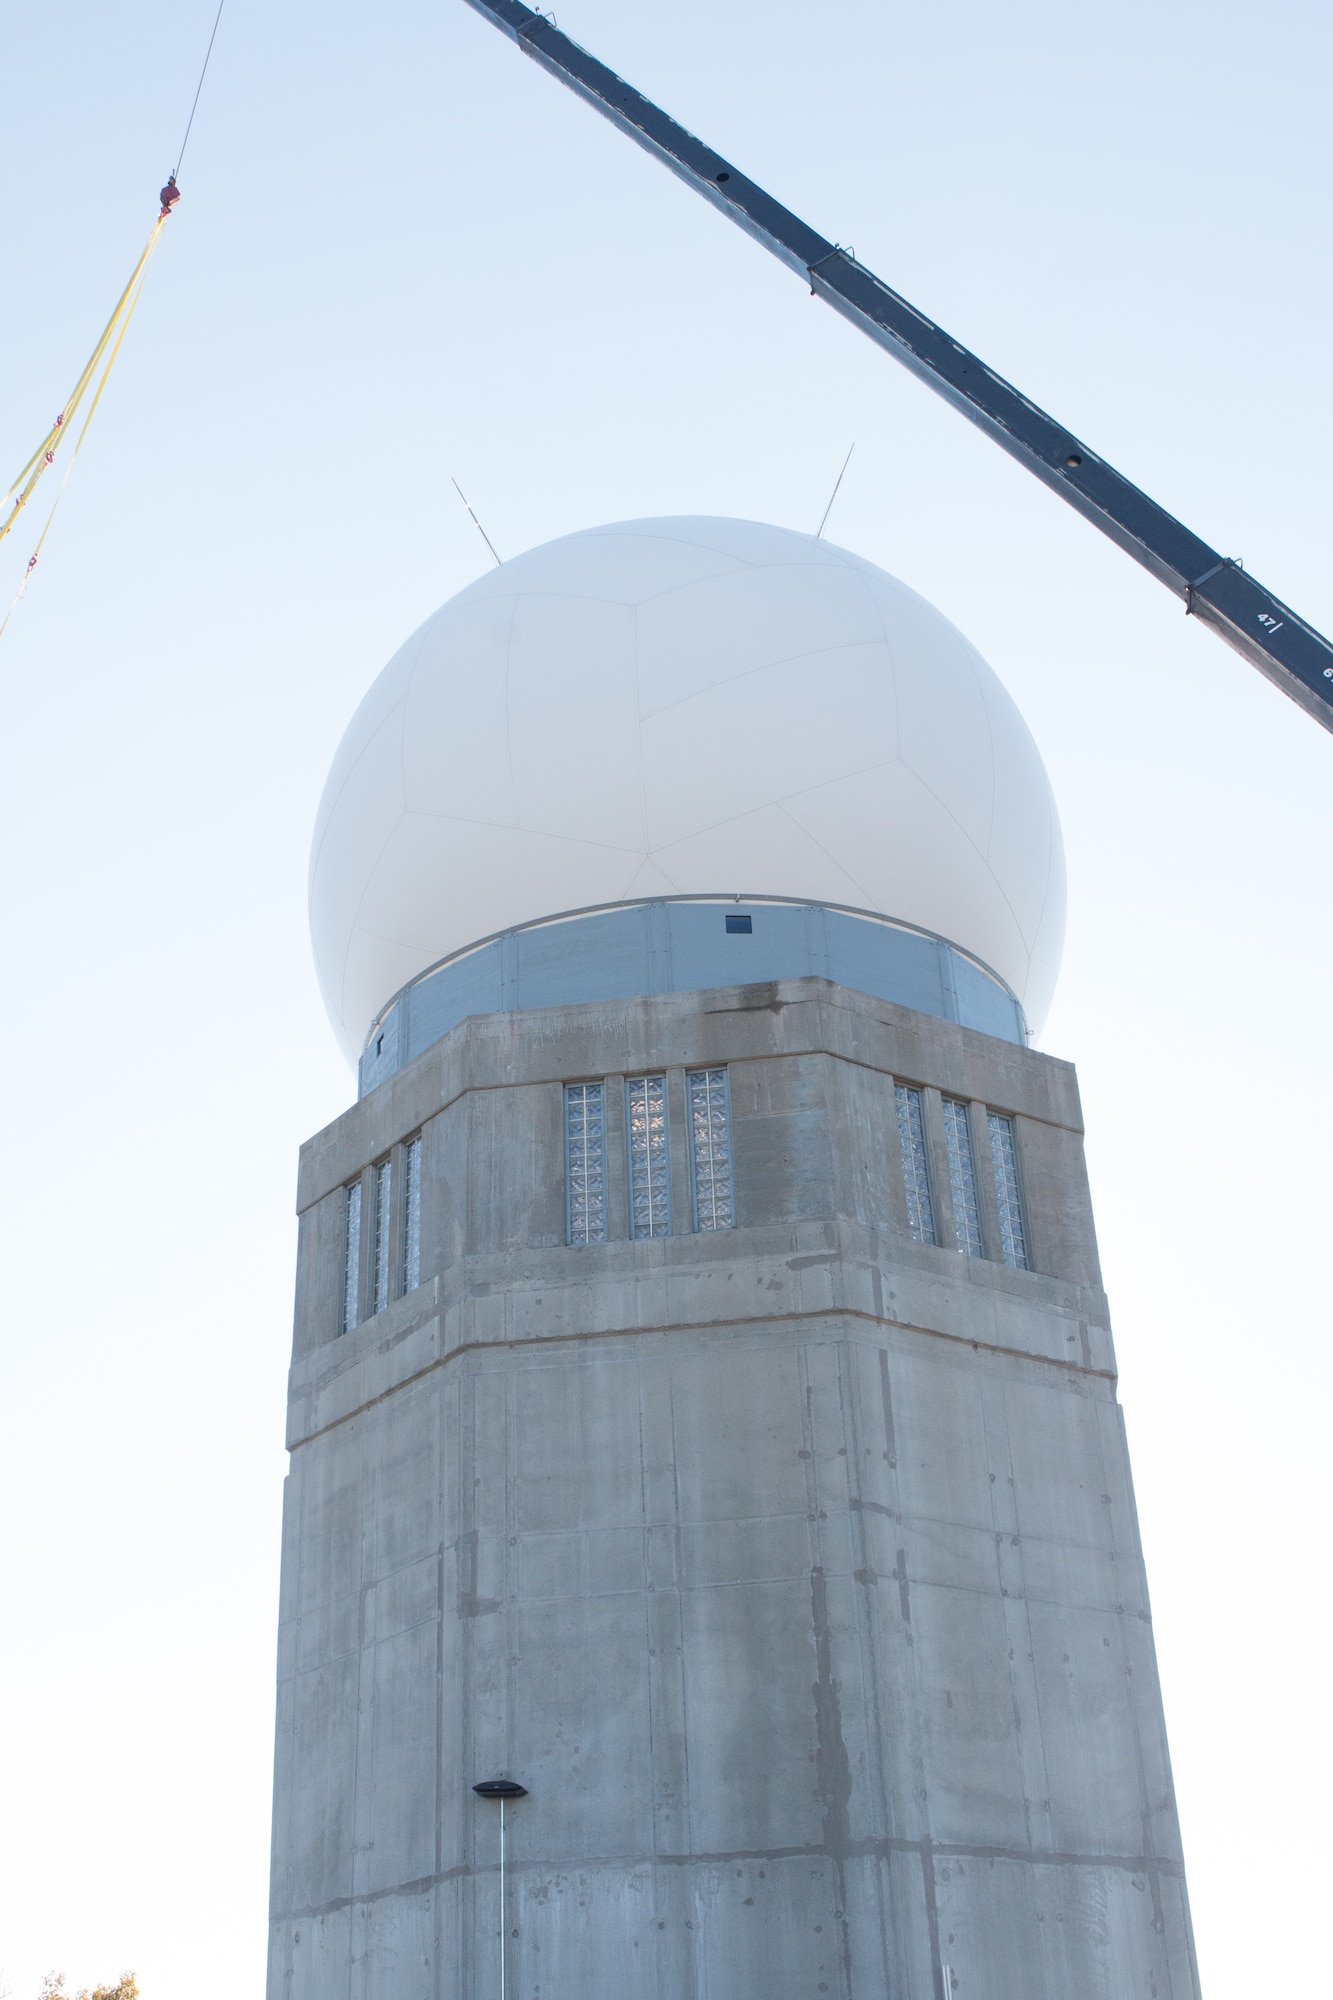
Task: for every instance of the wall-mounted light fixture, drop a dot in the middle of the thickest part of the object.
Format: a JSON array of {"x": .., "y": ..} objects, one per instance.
[{"x": 501, "y": 1789}]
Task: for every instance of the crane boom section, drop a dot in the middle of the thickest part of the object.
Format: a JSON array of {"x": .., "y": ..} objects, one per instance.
[{"x": 1293, "y": 655}]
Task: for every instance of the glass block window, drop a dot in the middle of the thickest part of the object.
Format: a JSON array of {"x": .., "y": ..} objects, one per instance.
[
  {"x": 383, "y": 1258},
  {"x": 1004, "y": 1160},
  {"x": 649, "y": 1173},
  {"x": 916, "y": 1170},
  {"x": 412, "y": 1214},
  {"x": 352, "y": 1260},
  {"x": 585, "y": 1163},
  {"x": 962, "y": 1177},
  {"x": 710, "y": 1149}
]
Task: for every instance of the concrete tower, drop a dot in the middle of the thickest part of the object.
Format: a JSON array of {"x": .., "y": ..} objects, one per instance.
[{"x": 703, "y": 1403}]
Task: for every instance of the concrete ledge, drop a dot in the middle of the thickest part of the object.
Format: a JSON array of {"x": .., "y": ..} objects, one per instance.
[
  {"x": 736, "y": 1278},
  {"x": 327, "y": 1389},
  {"x": 335, "y": 1382}
]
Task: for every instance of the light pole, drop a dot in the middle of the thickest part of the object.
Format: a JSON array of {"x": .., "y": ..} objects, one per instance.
[{"x": 501, "y": 1789}]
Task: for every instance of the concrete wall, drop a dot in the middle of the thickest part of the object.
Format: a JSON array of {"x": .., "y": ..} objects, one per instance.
[{"x": 794, "y": 1569}]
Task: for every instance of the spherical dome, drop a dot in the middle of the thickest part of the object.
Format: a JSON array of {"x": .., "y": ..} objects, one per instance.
[{"x": 681, "y": 707}]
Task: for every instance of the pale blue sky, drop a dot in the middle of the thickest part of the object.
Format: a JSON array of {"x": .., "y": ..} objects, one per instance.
[{"x": 403, "y": 254}]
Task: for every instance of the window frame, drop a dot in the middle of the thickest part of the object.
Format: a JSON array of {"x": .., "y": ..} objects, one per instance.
[
  {"x": 568, "y": 1090},
  {"x": 705, "y": 1071},
  {"x": 381, "y": 1235},
  {"x": 410, "y": 1249},
  {"x": 921, "y": 1184},
  {"x": 960, "y": 1152},
  {"x": 1006, "y": 1122},
  {"x": 647, "y": 1078},
  {"x": 353, "y": 1217}
]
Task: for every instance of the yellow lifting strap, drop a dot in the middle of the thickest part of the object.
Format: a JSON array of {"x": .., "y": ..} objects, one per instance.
[
  {"x": 109, "y": 347},
  {"x": 112, "y": 335},
  {"x": 103, "y": 356}
]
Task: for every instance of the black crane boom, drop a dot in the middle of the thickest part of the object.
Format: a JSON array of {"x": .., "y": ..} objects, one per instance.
[{"x": 1215, "y": 588}]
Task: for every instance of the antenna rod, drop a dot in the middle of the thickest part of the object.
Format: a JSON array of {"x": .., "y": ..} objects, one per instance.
[
  {"x": 834, "y": 494},
  {"x": 480, "y": 530}
]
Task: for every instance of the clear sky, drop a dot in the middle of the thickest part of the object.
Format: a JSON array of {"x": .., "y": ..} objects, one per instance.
[{"x": 404, "y": 254}]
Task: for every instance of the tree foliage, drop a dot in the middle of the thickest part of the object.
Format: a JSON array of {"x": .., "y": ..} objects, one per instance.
[{"x": 54, "y": 1988}]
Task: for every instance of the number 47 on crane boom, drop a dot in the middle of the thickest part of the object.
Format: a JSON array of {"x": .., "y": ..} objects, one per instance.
[{"x": 1215, "y": 588}]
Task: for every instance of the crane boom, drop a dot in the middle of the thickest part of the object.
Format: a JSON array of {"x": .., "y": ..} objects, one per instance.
[{"x": 1215, "y": 588}]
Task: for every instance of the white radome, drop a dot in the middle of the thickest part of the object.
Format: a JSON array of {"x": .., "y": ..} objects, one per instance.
[{"x": 681, "y": 707}]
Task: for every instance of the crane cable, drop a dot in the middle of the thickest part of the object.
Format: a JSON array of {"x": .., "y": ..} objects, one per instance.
[{"x": 112, "y": 335}]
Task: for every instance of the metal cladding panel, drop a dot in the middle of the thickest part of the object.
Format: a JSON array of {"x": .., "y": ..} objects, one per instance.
[
  {"x": 704, "y": 953},
  {"x": 383, "y": 1053},
  {"x": 982, "y": 1004},
  {"x": 686, "y": 947},
  {"x": 556, "y": 961},
  {"x": 435, "y": 1007},
  {"x": 894, "y": 965}
]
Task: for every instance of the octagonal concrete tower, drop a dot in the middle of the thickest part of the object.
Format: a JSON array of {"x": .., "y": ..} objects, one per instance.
[{"x": 703, "y": 1403}]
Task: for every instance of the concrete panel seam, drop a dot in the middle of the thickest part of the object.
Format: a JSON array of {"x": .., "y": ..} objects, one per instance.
[
  {"x": 542, "y": 1340},
  {"x": 878, "y": 1848}
]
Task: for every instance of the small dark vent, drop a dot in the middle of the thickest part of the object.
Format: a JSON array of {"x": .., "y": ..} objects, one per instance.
[{"x": 740, "y": 926}]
